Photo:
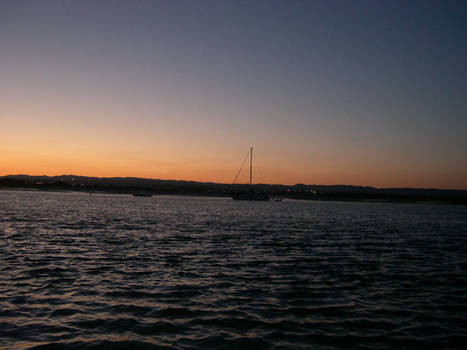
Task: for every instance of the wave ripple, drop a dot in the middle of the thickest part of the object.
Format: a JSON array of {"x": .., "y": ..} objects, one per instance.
[{"x": 119, "y": 272}]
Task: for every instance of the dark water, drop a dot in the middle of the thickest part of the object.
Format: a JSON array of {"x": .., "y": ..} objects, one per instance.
[{"x": 84, "y": 271}]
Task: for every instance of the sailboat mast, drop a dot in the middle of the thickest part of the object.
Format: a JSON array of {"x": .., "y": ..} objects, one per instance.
[{"x": 251, "y": 163}]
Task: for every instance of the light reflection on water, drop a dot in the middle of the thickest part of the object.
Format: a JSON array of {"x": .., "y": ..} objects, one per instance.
[{"x": 109, "y": 271}]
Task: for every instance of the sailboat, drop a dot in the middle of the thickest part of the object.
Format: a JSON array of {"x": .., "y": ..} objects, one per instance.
[{"x": 251, "y": 195}]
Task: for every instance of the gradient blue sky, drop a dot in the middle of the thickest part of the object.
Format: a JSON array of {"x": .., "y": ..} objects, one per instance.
[{"x": 327, "y": 92}]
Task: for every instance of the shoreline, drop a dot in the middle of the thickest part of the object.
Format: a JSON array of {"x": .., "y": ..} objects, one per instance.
[{"x": 316, "y": 198}]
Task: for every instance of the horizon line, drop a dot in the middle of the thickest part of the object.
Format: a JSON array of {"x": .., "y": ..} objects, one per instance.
[{"x": 229, "y": 184}]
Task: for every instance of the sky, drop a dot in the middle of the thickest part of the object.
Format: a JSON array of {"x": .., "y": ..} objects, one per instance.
[{"x": 368, "y": 93}]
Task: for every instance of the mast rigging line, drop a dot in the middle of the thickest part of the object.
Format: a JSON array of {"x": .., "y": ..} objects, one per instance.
[{"x": 235, "y": 180}]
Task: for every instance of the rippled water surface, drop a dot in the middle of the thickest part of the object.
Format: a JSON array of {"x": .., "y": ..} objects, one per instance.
[{"x": 81, "y": 271}]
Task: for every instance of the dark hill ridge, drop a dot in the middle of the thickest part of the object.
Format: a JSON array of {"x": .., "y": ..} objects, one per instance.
[{"x": 298, "y": 191}]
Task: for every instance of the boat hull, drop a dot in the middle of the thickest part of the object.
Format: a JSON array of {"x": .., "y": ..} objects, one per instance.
[{"x": 253, "y": 196}]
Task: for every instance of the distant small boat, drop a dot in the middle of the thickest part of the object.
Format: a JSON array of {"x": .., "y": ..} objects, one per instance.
[
  {"x": 140, "y": 194},
  {"x": 250, "y": 195}
]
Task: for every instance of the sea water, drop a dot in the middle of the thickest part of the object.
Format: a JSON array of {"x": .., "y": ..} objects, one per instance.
[{"x": 80, "y": 271}]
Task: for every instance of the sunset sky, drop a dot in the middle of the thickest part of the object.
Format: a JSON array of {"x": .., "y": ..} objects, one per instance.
[{"x": 327, "y": 92}]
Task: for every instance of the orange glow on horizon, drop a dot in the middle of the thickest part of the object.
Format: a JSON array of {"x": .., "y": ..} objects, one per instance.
[
  {"x": 59, "y": 148},
  {"x": 28, "y": 163}
]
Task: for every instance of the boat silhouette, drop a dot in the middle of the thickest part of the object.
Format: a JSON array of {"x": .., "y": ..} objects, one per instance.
[
  {"x": 251, "y": 194},
  {"x": 142, "y": 194}
]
